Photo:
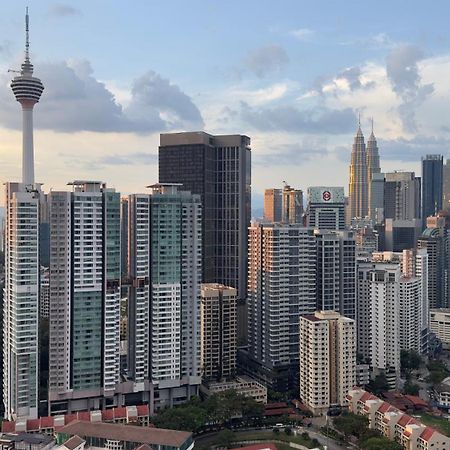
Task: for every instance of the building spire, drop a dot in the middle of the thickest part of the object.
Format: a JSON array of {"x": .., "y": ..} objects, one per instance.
[
  {"x": 27, "y": 67},
  {"x": 372, "y": 124},
  {"x": 27, "y": 37}
]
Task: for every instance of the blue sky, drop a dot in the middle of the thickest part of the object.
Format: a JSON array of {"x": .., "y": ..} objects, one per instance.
[{"x": 293, "y": 75}]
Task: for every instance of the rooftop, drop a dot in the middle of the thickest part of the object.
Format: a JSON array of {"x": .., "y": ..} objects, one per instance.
[{"x": 128, "y": 433}]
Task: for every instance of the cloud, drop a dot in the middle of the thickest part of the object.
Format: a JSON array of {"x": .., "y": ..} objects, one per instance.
[
  {"x": 63, "y": 10},
  {"x": 74, "y": 100},
  {"x": 302, "y": 34},
  {"x": 291, "y": 119},
  {"x": 402, "y": 149},
  {"x": 266, "y": 60},
  {"x": 349, "y": 79},
  {"x": 292, "y": 153},
  {"x": 403, "y": 73}
]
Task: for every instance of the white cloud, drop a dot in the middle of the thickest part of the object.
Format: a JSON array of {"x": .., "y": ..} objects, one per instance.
[{"x": 302, "y": 34}]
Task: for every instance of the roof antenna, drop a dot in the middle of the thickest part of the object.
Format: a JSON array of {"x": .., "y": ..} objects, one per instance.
[
  {"x": 27, "y": 37},
  {"x": 372, "y": 125}
]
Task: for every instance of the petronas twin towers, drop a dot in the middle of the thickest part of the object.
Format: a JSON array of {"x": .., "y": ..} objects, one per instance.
[{"x": 365, "y": 161}]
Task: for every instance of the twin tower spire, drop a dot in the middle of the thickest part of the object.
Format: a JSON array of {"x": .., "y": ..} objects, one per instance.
[{"x": 365, "y": 161}]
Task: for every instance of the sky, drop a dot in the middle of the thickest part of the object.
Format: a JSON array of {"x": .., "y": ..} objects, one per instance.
[{"x": 292, "y": 75}]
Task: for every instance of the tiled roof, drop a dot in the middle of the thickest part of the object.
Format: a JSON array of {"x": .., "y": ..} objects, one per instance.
[
  {"x": 427, "y": 433},
  {"x": 8, "y": 427},
  {"x": 127, "y": 433}
]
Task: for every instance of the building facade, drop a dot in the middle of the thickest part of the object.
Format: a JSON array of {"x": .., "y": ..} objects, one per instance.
[
  {"x": 292, "y": 205},
  {"x": 326, "y": 208},
  {"x": 218, "y": 331},
  {"x": 402, "y": 193},
  {"x": 218, "y": 169},
  {"x": 85, "y": 280},
  {"x": 358, "y": 184},
  {"x": 440, "y": 325},
  {"x": 432, "y": 182},
  {"x": 336, "y": 272},
  {"x": 327, "y": 359},
  {"x": 273, "y": 201},
  {"x": 281, "y": 287},
  {"x": 165, "y": 271}
]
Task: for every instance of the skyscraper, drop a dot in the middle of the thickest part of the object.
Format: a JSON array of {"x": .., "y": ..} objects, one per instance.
[
  {"x": 272, "y": 205},
  {"x": 219, "y": 331},
  {"x": 21, "y": 292},
  {"x": 373, "y": 167},
  {"x": 218, "y": 169},
  {"x": 292, "y": 205},
  {"x": 446, "y": 186},
  {"x": 432, "y": 179},
  {"x": 326, "y": 208},
  {"x": 165, "y": 269},
  {"x": 358, "y": 185},
  {"x": 401, "y": 196},
  {"x": 85, "y": 276},
  {"x": 378, "y": 317},
  {"x": 434, "y": 239},
  {"x": 327, "y": 359},
  {"x": 336, "y": 272},
  {"x": 281, "y": 287}
]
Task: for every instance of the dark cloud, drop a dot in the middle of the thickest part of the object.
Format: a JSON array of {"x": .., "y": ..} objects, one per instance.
[
  {"x": 291, "y": 119},
  {"x": 403, "y": 73},
  {"x": 412, "y": 149},
  {"x": 74, "y": 100},
  {"x": 288, "y": 154},
  {"x": 154, "y": 97},
  {"x": 266, "y": 60},
  {"x": 63, "y": 10},
  {"x": 352, "y": 75}
]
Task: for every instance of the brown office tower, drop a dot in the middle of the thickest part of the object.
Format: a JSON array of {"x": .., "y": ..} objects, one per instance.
[
  {"x": 272, "y": 205},
  {"x": 218, "y": 169}
]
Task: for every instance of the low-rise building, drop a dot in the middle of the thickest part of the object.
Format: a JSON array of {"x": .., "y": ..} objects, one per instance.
[
  {"x": 394, "y": 424},
  {"x": 440, "y": 325},
  {"x": 442, "y": 394},
  {"x": 242, "y": 384},
  {"x": 137, "y": 415},
  {"x": 125, "y": 437}
]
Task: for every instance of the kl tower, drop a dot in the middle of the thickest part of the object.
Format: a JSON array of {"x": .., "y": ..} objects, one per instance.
[
  {"x": 27, "y": 90},
  {"x": 22, "y": 244}
]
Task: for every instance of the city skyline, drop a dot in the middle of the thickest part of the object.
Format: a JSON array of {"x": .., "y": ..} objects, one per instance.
[{"x": 294, "y": 112}]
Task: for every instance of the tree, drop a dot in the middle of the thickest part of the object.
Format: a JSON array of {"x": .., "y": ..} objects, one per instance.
[
  {"x": 351, "y": 424},
  {"x": 409, "y": 360},
  {"x": 380, "y": 443},
  {"x": 224, "y": 438},
  {"x": 186, "y": 417},
  {"x": 411, "y": 388},
  {"x": 378, "y": 385}
]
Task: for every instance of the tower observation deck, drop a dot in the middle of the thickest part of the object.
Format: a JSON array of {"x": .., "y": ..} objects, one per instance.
[{"x": 27, "y": 90}]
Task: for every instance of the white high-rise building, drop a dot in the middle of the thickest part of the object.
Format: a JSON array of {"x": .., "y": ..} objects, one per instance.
[
  {"x": 378, "y": 317},
  {"x": 84, "y": 341},
  {"x": 281, "y": 287},
  {"x": 21, "y": 292},
  {"x": 336, "y": 272},
  {"x": 327, "y": 359},
  {"x": 392, "y": 309},
  {"x": 165, "y": 267}
]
